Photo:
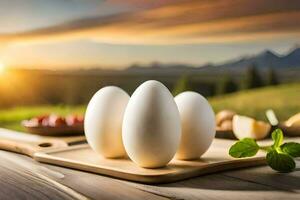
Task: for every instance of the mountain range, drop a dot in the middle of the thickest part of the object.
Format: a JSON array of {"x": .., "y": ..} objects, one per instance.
[
  {"x": 267, "y": 59},
  {"x": 264, "y": 60},
  {"x": 287, "y": 66}
]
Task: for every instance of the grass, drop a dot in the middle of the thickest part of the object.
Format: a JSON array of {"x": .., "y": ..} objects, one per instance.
[{"x": 283, "y": 99}]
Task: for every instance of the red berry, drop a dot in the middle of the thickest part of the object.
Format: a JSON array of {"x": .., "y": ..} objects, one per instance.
[
  {"x": 41, "y": 118},
  {"x": 72, "y": 120},
  {"x": 55, "y": 121},
  {"x": 45, "y": 122}
]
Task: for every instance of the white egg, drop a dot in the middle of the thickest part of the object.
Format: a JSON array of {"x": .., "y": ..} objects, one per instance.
[
  {"x": 103, "y": 121},
  {"x": 151, "y": 126},
  {"x": 197, "y": 123}
]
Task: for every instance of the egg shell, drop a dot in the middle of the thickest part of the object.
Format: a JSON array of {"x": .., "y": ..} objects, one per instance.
[
  {"x": 151, "y": 126},
  {"x": 197, "y": 123},
  {"x": 103, "y": 121}
]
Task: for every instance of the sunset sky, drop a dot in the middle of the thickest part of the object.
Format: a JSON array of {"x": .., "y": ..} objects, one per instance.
[{"x": 60, "y": 34}]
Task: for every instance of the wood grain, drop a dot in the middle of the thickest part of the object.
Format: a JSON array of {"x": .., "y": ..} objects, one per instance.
[
  {"x": 18, "y": 181},
  {"x": 217, "y": 187},
  {"x": 84, "y": 158},
  {"x": 23, "y": 178},
  {"x": 238, "y": 184},
  {"x": 28, "y": 144},
  {"x": 268, "y": 177},
  {"x": 216, "y": 159}
]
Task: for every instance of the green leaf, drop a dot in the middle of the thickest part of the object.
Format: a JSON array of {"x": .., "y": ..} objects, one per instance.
[
  {"x": 280, "y": 161},
  {"x": 246, "y": 147},
  {"x": 291, "y": 148},
  {"x": 277, "y": 137}
]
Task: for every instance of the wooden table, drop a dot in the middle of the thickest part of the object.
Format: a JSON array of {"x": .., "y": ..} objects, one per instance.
[{"x": 23, "y": 178}]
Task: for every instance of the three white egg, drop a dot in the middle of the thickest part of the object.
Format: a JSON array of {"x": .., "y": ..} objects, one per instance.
[
  {"x": 198, "y": 125},
  {"x": 150, "y": 126},
  {"x": 103, "y": 121}
]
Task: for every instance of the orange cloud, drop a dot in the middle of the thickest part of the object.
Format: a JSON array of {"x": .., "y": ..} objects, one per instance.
[{"x": 193, "y": 21}]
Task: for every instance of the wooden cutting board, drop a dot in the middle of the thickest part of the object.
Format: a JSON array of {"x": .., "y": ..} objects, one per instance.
[
  {"x": 29, "y": 144},
  {"x": 80, "y": 156}
]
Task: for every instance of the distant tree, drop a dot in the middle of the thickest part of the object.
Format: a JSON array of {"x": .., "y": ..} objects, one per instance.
[
  {"x": 226, "y": 85},
  {"x": 271, "y": 78},
  {"x": 182, "y": 84},
  {"x": 252, "y": 78}
]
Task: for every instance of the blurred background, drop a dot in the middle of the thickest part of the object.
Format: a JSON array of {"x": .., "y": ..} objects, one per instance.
[{"x": 242, "y": 55}]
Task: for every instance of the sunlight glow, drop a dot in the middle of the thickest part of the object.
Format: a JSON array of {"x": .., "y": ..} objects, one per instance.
[{"x": 2, "y": 68}]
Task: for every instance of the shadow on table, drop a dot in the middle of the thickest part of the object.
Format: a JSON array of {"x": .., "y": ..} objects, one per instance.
[{"x": 258, "y": 179}]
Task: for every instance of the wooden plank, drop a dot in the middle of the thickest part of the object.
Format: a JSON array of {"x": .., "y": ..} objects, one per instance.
[
  {"x": 22, "y": 177},
  {"x": 102, "y": 187},
  {"x": 217, "y": 187},
  {"x": 214, "y": 186},
  {"x": 267, "y": 176},
  {"x": 18, "y": 182}
]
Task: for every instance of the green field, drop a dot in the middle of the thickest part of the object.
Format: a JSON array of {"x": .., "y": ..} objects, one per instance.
[{"x": 283, "y": 99}]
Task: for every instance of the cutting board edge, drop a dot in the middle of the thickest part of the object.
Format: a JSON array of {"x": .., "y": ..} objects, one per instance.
[{"x": 151, "y": 179}]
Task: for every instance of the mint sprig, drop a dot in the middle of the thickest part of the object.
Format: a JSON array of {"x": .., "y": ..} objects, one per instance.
[
  {"x": 277, "y": 137},
  {"x": 280, "y": 157},
  {"x": 291, "y": 148},
  {"x": 246, "y": 147}
]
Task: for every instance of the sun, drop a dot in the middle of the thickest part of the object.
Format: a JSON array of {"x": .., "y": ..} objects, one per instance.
[{"x": 2, "y": 67}]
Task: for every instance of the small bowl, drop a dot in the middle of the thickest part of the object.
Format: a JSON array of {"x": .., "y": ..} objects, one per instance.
[{"x": 62, "y": 130}]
